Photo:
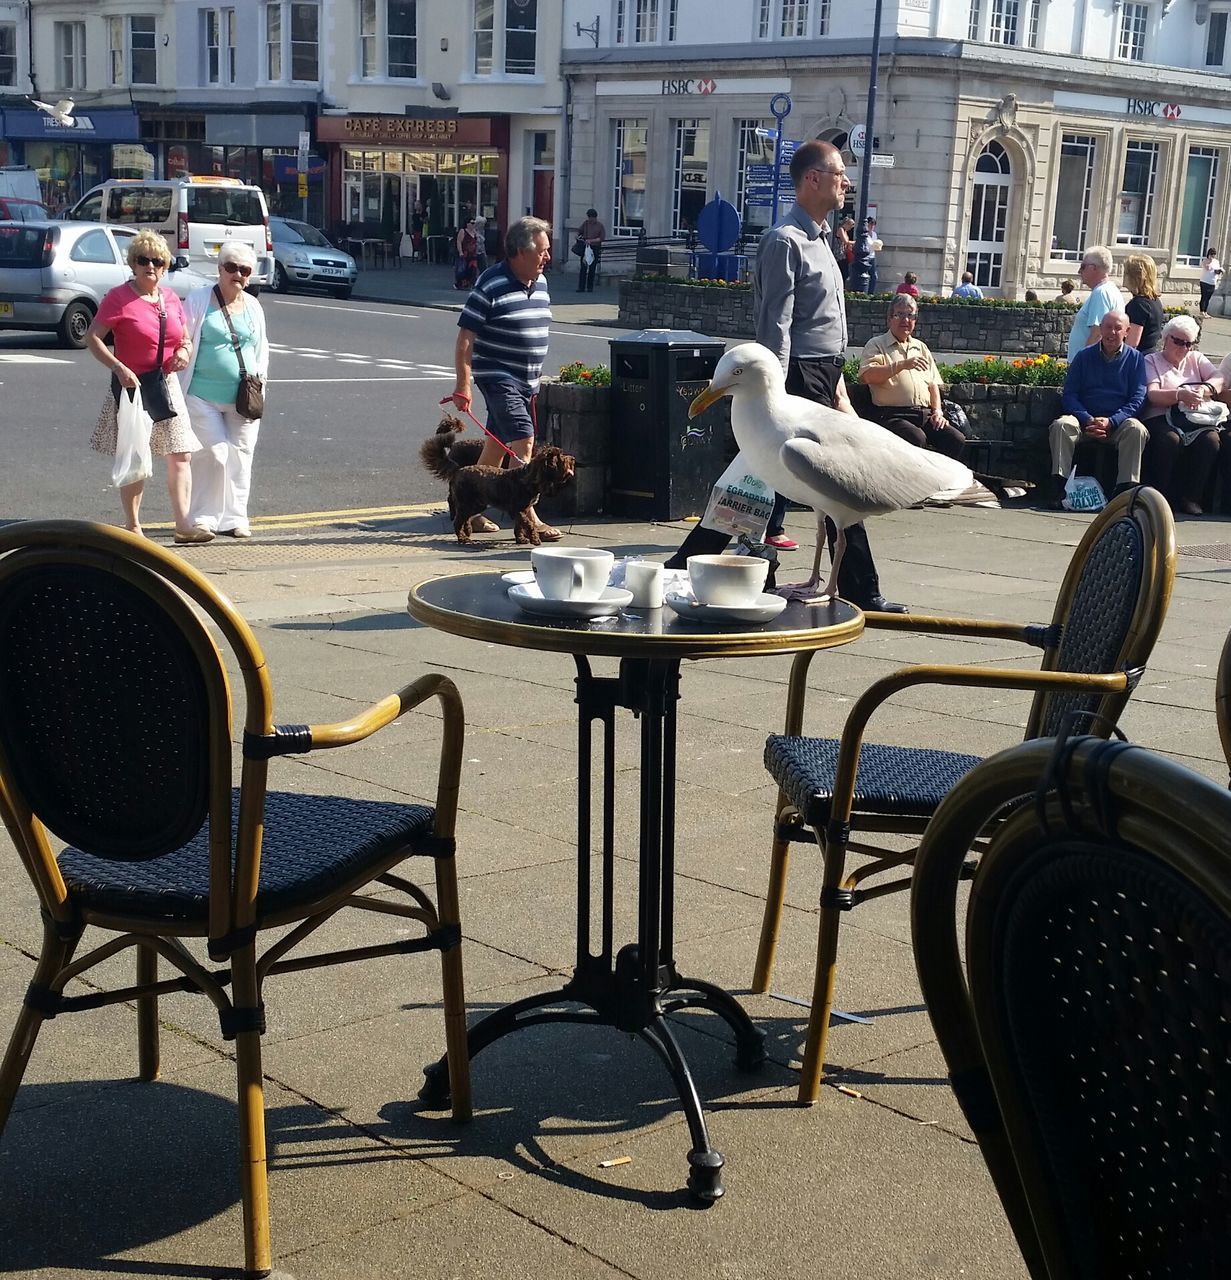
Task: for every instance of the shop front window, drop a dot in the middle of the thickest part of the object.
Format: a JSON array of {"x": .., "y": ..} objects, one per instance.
[
  {"x": 1073, "y": 186},
  {"x": 1197, "y": 215},
  {"x": 1136, "y": 215},
  {"x": 692, "y": 159},
  {"x": 628, "y": 210},
  {"x": 8, "y": 54},
  {"x": 751, "y": 148}
]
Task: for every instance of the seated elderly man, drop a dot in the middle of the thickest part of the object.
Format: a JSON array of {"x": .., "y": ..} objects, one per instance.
[
  {"x": 1104, "y": 389},
  {"x": 905, "y": 383}
]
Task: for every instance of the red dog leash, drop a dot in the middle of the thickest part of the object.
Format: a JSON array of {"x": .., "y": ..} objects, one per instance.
[{"x": 533, "y": 422}]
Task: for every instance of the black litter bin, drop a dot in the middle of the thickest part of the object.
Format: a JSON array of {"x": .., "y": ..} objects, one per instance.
[{"x": 663, "y": 466}]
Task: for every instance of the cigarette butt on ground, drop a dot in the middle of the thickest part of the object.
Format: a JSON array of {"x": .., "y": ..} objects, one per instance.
[
  {"x": 845, "y": 1088},
  {"x": 611, "y": 1164}
]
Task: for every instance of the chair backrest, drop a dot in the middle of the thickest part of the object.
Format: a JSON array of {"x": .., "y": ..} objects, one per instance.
[
  {"x": 1222, "y": 700},
  {"x": 1110, "y": 608},
  {"x": 1088, "y": 1036},
  {"x": 116, "y": 732}
]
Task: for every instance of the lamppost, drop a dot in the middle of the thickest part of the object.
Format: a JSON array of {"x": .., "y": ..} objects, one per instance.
[{"x": 860, "y": 276}]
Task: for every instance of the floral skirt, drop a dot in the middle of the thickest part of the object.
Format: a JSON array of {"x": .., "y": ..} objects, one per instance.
[{"x": 171, "y": 435}]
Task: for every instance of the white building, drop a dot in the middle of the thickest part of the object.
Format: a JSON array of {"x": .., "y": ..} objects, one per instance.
[{"x": 1019, "y": 130}]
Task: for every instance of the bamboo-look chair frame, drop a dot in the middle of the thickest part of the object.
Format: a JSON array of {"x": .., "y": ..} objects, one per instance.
[
  {"x": 232, "y": 927},
  {"x": 1222, "y": 700},
  {"x": 1103, "y": 793},
  {"x": 840, "y": 889}
]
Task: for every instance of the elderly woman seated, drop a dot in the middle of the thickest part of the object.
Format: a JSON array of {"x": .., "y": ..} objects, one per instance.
[
  {"x": 905, "y": 384},
  {"x": 1180, "y": 453}
]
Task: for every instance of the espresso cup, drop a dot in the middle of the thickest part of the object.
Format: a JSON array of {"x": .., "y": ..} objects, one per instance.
[
  {"x": 571, "y": 573},
  {"x": 727, "y": 580},
  {"x": 644, "y": 578}
]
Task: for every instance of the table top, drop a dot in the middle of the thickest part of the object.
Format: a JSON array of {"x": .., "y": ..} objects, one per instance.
[{"x": 476, "y": 605}]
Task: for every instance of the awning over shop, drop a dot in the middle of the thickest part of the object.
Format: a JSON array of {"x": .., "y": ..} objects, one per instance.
[{"x": 98, "y": 124}]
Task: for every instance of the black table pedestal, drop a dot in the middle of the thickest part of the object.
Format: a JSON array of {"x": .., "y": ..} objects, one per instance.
[{"x": 635, "y": 988}]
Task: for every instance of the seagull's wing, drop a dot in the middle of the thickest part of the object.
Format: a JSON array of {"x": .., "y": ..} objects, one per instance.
[
  {"x": 860, "y": 465},
  {"x": 65, "y": 107},
  {"x": 43, "y": 106}
]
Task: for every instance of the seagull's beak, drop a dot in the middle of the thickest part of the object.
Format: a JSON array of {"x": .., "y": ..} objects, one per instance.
[{"x": 711, "y": 395}]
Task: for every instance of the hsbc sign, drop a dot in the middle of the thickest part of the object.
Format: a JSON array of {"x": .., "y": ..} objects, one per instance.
[
  {"x": 703, "y": 85},
  {"x": 1157, "y": 110}
]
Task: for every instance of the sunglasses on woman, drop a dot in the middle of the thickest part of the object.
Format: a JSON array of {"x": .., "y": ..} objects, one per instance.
[
  {"x": 143, "y": 261},
  {"x": 1181, "y": 342},
  {"x": 237, "y": 269}
]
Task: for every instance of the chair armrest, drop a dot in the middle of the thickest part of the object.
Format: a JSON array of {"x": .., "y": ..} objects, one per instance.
[
  {"x": 972, "y": 677},
  {"x": 981, "y": 628},
  {"x": 344, "y": 733}
]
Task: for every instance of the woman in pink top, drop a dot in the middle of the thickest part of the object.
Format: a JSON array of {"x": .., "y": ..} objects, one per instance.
[
  {"x": 1179, "y": 456},
  {"x": 132, "y": 314}
]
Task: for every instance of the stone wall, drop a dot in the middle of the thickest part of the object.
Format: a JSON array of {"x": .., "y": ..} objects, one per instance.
[
  {"x": 944, "y": 326},
  {"x": 1015, "y": 420}
]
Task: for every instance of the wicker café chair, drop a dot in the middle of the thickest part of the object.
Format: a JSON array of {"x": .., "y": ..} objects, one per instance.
[
  {"x": 116, "y": 741},
  {"x": 1108, "y": 615},
  {"x": 1083, "y": 1009},
  {"x": 1222, "y": 700}
]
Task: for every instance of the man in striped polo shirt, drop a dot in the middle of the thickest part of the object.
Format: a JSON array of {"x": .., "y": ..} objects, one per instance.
[{"x": 502, "y": 343}]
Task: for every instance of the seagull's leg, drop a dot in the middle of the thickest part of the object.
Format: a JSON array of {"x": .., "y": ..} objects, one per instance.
[
  {"x": 839, "y": 549},
  {"x": 807, "y": 590}
]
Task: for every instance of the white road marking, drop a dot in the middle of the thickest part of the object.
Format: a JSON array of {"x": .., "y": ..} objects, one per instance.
[
  {"x": 398, "y": 309},
  {"x": 21, "y": 358},
  {"x": 440, "y": 377}
]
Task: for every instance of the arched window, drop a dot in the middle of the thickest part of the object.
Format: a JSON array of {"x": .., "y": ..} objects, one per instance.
[{"x": 989, "y": 215}]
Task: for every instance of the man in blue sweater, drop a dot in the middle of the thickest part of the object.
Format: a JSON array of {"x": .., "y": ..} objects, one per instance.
[{"x": 1103, "y": 390}]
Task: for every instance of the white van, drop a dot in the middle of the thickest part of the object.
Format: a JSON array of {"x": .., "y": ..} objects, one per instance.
[
  {"x": 18, "y": 182},
  {"x": 194, "y": 215}
]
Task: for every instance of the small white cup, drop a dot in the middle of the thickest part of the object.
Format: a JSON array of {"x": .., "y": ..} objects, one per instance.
[
  {"x": 571, "y": 573},
  {"x": 727, "y": 580},
  {"x": 644, "y": 578}
]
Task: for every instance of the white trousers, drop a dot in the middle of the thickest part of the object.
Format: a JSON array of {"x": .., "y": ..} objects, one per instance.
[{"x": 222, "y": 468}]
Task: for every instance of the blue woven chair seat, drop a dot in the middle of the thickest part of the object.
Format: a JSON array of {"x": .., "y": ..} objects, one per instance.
[
  {"x": 893, "y": 781},
  {"x": 312, "y": 846}
]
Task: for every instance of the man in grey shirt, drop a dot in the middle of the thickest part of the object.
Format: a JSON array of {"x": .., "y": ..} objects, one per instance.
[{"x": 801, "y": 318}]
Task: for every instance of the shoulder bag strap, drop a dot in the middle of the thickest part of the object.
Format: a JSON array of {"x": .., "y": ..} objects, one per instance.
[
  {"x": 162, "y": 330},
  {"x": 243, "y": 373}
]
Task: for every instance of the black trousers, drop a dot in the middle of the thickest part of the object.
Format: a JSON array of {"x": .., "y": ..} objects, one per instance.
[{"x": 857, "y": 577}]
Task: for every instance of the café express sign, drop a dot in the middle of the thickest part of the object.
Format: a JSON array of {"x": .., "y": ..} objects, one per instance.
[{"x": 429, "y": 131}]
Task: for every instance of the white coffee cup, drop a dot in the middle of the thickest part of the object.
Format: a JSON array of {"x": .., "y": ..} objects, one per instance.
[
  {"x": 644, "y": 578},
  {"x": 727, "y": 580},
  {"x": 571, "y": 573}
]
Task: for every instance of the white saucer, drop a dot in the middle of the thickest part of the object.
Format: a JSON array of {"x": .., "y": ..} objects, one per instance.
[
  {"x": 518, "y": 577},
  {"x": 528, "y": 596},
  {"x": 764, "y": 608}
]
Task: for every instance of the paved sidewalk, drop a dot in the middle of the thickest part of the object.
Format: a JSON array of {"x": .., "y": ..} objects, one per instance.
[{"x": 101, "y": 1176}]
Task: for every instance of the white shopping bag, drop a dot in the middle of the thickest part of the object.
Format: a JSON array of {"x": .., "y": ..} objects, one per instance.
[
  {"x": 1083, "y": 493},
  {"x": 132, "y": 441},
  {"x": 740, "y": 503},
  {"x": 588, "y": 256}
]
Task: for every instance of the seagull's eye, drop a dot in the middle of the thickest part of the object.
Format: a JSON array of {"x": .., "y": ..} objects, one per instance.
[{"x": 736, "y": 372}]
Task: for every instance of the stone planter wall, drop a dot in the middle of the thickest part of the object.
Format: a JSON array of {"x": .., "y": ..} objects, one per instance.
[
  {"x": 944, "y": 326},
  {"x": 578, "y": 420},
  {"x": 1015, "y": 420}
]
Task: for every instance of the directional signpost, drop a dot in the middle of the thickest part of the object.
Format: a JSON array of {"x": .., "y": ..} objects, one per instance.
[
  {"x": 305, "y": 141},
  {"x": 780, "y": 105}
]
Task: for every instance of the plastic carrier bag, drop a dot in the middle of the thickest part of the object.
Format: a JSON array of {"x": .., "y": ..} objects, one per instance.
[
  {"x": 1083, "y": 493},
  {"x": 740, "y": 503},
  {"x": 132, "y": 441}
]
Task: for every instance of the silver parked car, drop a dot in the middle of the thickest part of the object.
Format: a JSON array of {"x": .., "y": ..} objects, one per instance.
[
  {"x": 53, "y": 275},
  {"x": 303, "y": 257}
]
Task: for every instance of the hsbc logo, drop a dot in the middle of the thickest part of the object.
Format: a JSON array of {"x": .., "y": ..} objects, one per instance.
[
  {"x": 1147, "y": 107},
  {"x": 703, "y": 86}
]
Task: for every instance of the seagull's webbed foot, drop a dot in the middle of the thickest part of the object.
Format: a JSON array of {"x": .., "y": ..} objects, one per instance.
[{"x": 802, "y": 591}]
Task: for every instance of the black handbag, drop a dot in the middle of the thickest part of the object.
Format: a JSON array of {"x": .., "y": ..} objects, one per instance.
[
  {"x": 155, "y": 393},
  {"x": 250, "y": 398},
  {"x": 579, "y": 247}
]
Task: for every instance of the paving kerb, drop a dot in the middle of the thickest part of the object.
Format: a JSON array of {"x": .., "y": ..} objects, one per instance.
[{"x": 330, "y": 605}]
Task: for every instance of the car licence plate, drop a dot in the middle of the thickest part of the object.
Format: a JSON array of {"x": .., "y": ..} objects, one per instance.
[
  {"x": 6, "y": 309},
  {"x": 333, "y": 271}
]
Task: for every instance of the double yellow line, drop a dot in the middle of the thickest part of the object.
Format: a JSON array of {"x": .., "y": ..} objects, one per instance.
[{"x": 315, "y": 519}]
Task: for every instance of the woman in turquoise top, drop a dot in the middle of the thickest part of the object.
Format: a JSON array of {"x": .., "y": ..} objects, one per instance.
[{"x": 222, "y": 469}]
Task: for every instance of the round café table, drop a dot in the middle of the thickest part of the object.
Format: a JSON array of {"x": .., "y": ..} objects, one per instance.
[{"x": 635, "y": 987}]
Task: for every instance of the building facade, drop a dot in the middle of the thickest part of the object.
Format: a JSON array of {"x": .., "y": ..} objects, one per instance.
[
  {"x": 1008, "y": 134},
  {"x": 452, "y": 104}
]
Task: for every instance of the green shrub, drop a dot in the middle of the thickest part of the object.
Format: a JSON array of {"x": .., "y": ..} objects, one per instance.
[{"x": 585, "y": 375}]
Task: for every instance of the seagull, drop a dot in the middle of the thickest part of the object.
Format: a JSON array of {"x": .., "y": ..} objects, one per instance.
[
  {"x": 841, "y": 466},
  {"x": 61, "y": 112}
]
